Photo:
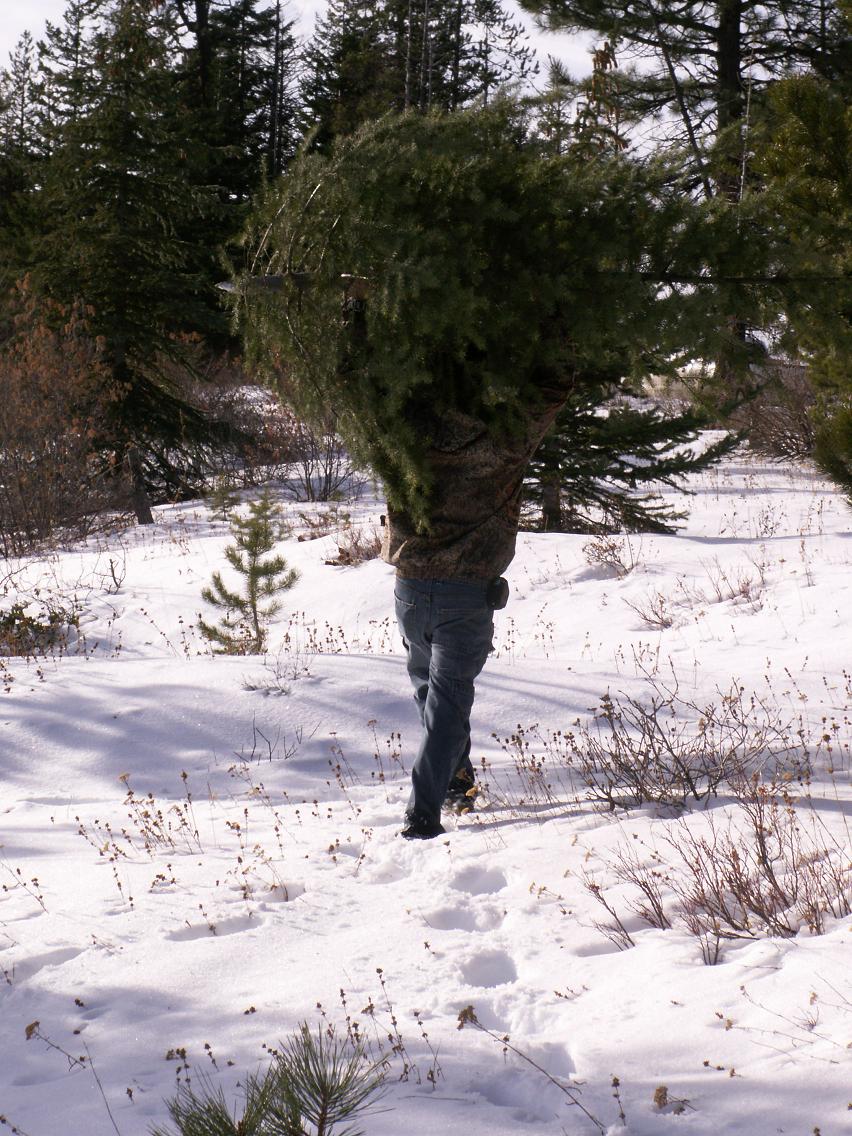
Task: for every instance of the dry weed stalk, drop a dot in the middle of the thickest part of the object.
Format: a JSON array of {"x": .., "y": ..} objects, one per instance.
[
  {"x": 467, "y": 1017},
  {"x": 539, "y": 777}
]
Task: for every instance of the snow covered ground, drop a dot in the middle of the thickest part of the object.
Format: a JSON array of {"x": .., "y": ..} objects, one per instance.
[{"x": 198, "y": 853}]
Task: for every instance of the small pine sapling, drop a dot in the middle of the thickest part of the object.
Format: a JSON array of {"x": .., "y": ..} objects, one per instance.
[
  {"x": 223, "y": 498},
  {"x": 242, "y": 630}
]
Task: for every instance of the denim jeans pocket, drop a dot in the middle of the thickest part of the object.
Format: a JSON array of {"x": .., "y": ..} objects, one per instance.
[{"x": 464, "y": 630}]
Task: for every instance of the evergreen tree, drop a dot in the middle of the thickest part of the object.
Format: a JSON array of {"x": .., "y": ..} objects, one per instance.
[
  {"x": 238, "y": 81},
  {"x": 805, "y": 159},
  {"x": 283, "y": 95},
  {"x": 236, "y": 89},
  {"x": 316, "y": 1083},
  {"x": 369, "y": 57},
  {"x": 491, "y": 271},
  {"x": 501, "y": 53},
  {"x": 194, "y": 18},
  {"x": 19, "y": 156},
  {"x": 348, "y": 77},
  {"x": 243, "y": 628},
  {"x": 699, "y": 69},
  {"x": 590, "y": 470},
  {"x": 64, "y": 59},
  {"x": 588, "y": 126},
  {"x": 114, "y": 197},
  {"x": 699, "y": 64},
  {"x": 18, "y": 123},
  {"x": 253, "y": 62}
]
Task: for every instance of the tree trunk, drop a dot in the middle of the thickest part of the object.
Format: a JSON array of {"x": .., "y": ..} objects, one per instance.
[
  {"x": 205, "y": 48},
  {"x": 551, "y": 503},
  {"x": 272, "y": 150},
  {"x": 729, "y": 86},
  {"x": 729, "y": 114},
  {"x": 139, "y": 493}
]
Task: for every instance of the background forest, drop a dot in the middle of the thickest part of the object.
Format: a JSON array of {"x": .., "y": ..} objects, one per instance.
[{"x": 135, "y": 137}]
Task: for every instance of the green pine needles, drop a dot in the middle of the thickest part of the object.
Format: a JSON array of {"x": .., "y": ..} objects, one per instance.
[
  {"x": 490, "y": 272},
  {"x": 315, "y": 1084},
  {"x": 431, "y": 264},
  {"x": 242, "y": 630}
]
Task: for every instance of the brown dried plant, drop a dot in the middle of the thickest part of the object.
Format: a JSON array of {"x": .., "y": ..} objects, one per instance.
[{"x": 54, "y": 398}]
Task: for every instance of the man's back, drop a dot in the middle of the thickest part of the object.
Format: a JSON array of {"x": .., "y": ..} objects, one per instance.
[{"x": 474, "y": 505}]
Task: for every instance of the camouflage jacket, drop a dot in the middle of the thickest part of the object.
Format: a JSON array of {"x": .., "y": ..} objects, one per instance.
[{"x": 476, "y": 499}]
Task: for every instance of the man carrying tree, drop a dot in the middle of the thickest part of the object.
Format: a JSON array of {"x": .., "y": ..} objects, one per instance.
[
  {"x": 448, "y": 584},
  {"x": 493, "y": 281}
]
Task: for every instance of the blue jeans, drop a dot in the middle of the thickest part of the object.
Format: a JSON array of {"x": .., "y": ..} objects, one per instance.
[{"x": 446, "y": 627}]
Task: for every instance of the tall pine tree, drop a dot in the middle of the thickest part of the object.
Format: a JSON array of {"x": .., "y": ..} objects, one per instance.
[
  {"x": 236, "y": 86},
  {"x": 806, "y": 159},
  {"x": 371, "y": 57},
  {"x": 348, "y": 73},
  {"x": 20, "y": 152},
  {"x": 114, "y": 200},
  {"x": 64, "y": 59},
  {"x": 697, "y": 65},
  {"x": 253, "y": 91},
  {"x": 698, "y": 70}
]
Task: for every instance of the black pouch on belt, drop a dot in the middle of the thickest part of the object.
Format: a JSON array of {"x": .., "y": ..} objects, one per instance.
[{"x": 497, "y": 593}]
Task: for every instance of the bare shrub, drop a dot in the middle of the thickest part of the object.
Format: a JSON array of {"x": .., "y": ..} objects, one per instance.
[
  {"x": 323, "y": 522},
  {"x": 29, "y": 634},
  {"x": 664, "y": 750},
  {"x": 269, "y": 440},
  {"x": 291, "y": 662},
  {"x": 668, "y": 750},
  {"x": 322, "y": 469},
  {"x": 770, "y": 868},
  {"x": 537, "y": 775},
  {"x": 264, "y": 431},
  {"x": 356, "y": 544},
  {"x": 737, "y": 585},
  {"x": 777, "y": 420},
  {"x": 654, "y": 611},
  {"x": 52, "y": 379},
  {"x": 615, "y": 553},
  {"x": 40, "y": 615}
]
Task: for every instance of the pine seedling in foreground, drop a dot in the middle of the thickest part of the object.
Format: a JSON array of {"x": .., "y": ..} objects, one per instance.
[
  {"x": 314, "y": 1084},
  {"x": 242, "y": 630}
]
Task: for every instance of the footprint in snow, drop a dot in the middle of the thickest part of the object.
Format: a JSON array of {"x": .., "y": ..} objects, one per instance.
[
  {"x": 489, "y": 968},
  {"x": 92, "y": 1013},
  {"x": 479, "y": 881},
  {"x": 463, "y": 919},
  {"x": 451, "y": 919},
  {"x": 529, "y": 1100},
  {"x": 282, "y": 893}
]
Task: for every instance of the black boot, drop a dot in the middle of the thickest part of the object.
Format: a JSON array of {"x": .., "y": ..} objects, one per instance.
[{"x": 419, "y": 826}]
